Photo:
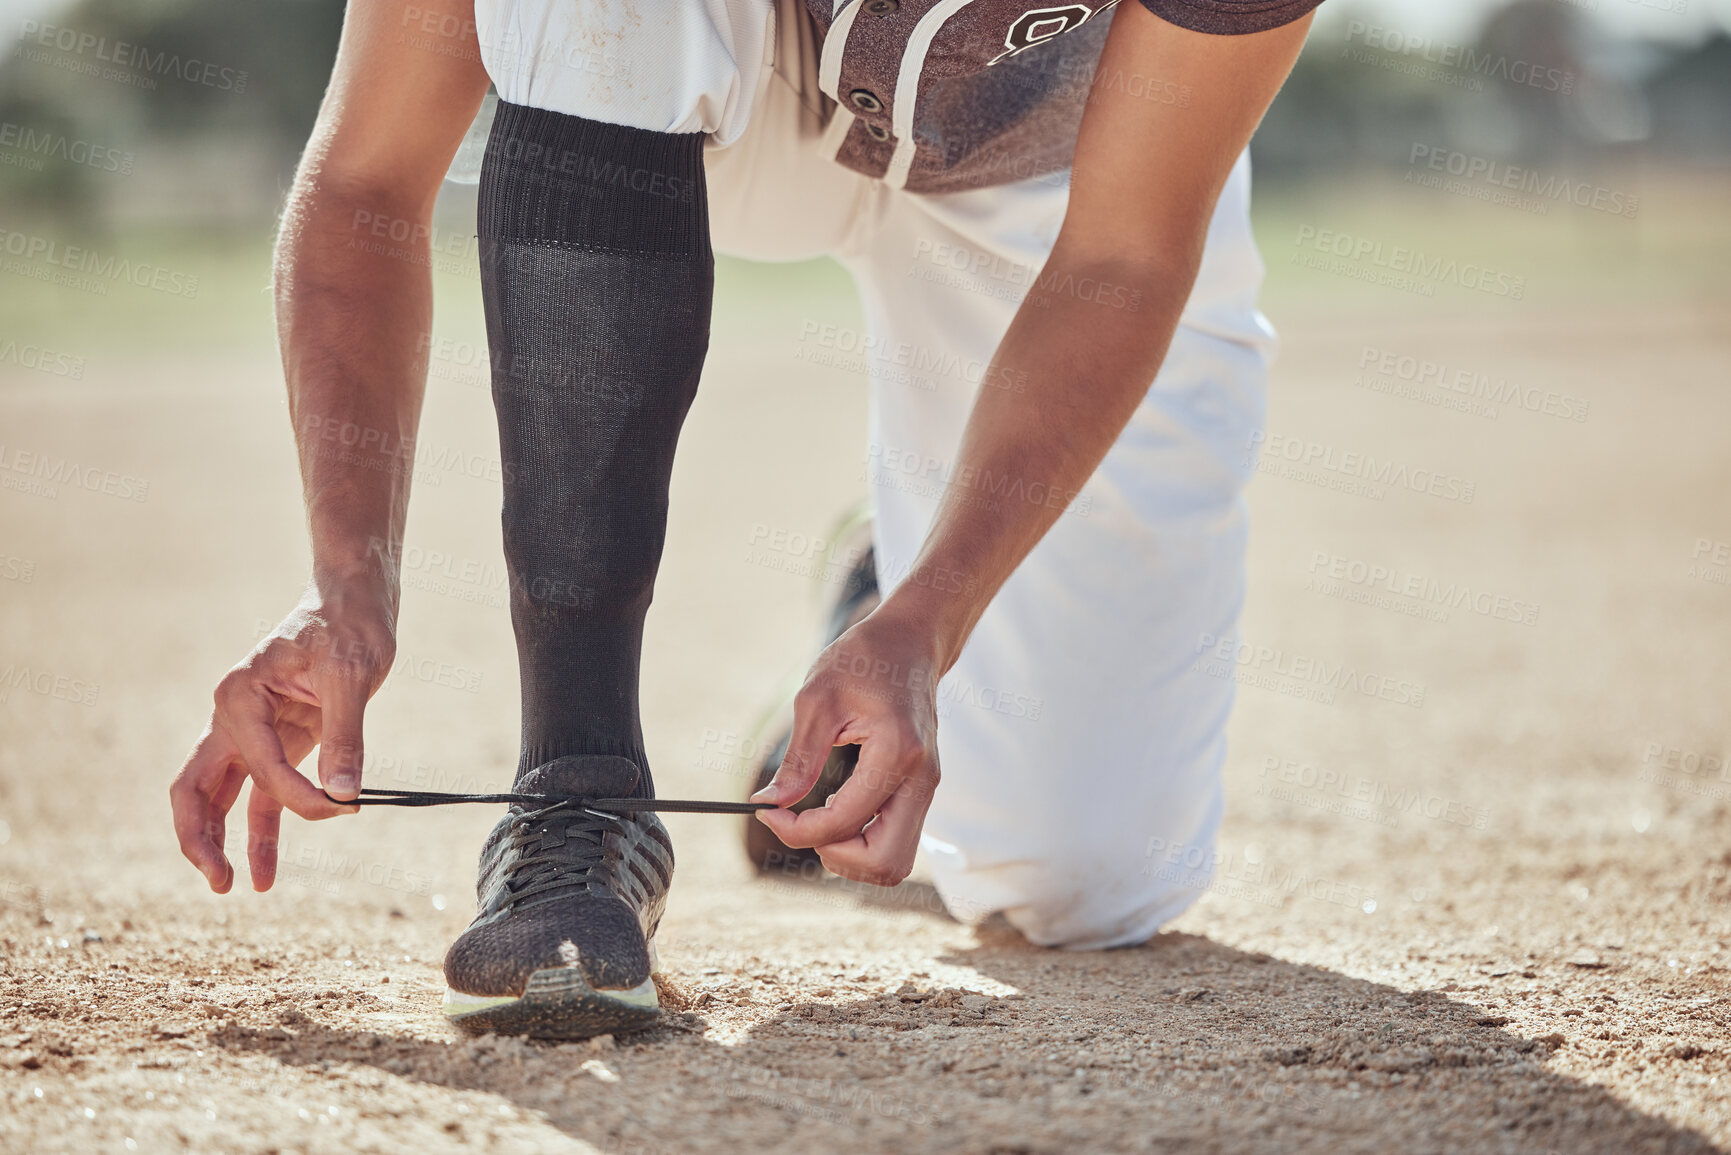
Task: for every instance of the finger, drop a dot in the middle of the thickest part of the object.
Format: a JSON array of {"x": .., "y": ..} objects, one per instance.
[
  {"x": 197, "y": 799},
  {"x": 221, "y": 802},
  {"x": 342, "y": 702},
  {"x": 815, "y": 726},
  {"x": 883, "y": 853},
  {"x": 264, "y": 827},
  {"x": 845, "y": 813},
  {"x": 248, "y": 716}
]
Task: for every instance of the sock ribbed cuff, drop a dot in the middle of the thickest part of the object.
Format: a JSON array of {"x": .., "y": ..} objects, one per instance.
[
  {"x": 542, "y": 753},
  {"x": 563, "y": 180}
]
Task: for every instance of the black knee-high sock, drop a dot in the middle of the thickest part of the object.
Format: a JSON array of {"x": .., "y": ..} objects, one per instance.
[{"x": 597, "y": 276}]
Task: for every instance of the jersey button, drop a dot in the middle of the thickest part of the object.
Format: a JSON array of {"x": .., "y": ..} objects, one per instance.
[{"x": 865, "y": 100}]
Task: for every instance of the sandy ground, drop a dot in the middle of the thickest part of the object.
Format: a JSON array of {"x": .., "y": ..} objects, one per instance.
[{"x": 1494, "y": 918}]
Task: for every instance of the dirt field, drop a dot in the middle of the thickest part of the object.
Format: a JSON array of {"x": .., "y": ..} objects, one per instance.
[{"x": 1492, "y": 914}]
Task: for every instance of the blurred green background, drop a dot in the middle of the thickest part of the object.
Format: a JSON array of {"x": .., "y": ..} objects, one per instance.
[{"x": 148, "y": 167}]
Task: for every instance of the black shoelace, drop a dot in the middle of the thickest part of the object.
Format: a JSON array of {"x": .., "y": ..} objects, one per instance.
[
  {"x": 561, "y": 838},
  {"x": 558, "y": 845},
  {"x": 609, "y": 806}
]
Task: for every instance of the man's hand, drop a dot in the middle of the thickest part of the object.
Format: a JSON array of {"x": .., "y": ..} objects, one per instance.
[
  {"x": 877, "y": 686},
  {"x": 352, "y": 324},
  {"x": 306, "y": 685}
]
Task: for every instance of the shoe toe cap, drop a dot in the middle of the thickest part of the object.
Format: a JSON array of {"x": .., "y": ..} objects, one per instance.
[{"x": 598, "y": 934}]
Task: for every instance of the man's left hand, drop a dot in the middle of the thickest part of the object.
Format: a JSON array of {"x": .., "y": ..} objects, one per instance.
[{"x": 876, "y": 685}]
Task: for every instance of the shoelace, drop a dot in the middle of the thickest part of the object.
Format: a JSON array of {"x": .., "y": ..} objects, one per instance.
[
  {"x": 556, "y": 858},
  {"x": 611, "y": 806},
  {"x": 558, "y": 846}
]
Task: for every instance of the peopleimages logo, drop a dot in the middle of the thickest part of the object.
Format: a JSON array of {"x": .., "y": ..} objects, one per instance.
[
  {"x": 1701, "y": 773},
  {"x": 37, "y": 145},
  {"x": 1301, "y": 777},
  {"x": 29, "y": 247},
  {"x": 513, "y": 47},
  {"x": 1266, "y": 666},
  {"x": 46, "y": 683},
  {"x": 1248, "y": 876},
  {"x": 40, "y": 358},
  {"x": 1691, "y": 762},
  {"x": 1407, "y": 262},
  {"x": 413, "y": 234},
  {"x": 1470, "y": 384},
  {"x": 879, "y": 356},
  {"x": 1330, "y": 572},
  {"x": 1464, "y": 58},
  {"x": 542, "y": 161},
  {"x": 1496, "y": 175},
  {"x": 40, "y": 474},
  {"x": 1363, "y": 469},
  {"x": 912, "y": 472},
  {"x": 1711, "y": 561},
  {"x": 134, "y": 56},
  {"x": 349, "y": 443}
]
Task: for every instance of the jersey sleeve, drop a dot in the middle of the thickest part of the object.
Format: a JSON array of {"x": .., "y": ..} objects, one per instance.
[{"x": 1229, "y": 17}]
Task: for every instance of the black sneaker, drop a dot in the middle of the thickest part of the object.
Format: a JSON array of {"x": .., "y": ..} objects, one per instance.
[
  {"x": 563, "y": 944},
  {"x": 855, "y": 596}
]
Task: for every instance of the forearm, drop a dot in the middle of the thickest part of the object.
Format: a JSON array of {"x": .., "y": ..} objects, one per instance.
[
  {"x": 1066, "y": 379},
  {"x": 352, "y": 326}
]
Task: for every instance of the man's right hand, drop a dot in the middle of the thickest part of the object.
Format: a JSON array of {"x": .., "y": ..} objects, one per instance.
[
  {"x": 353, "y": 321},
  {"x": 305, "y": 685}
]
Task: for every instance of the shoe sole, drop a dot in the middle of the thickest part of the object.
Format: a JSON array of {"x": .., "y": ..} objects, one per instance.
[{"x": 556, "y": 1004}]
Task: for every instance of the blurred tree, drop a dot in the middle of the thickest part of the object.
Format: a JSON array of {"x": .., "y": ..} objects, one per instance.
[
  {"x": 1542, "y": 82},
  {"x": 284, "y": 49},
  {"x": 201, "y": 152},
  {"x": 1691, "y": 100}
]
